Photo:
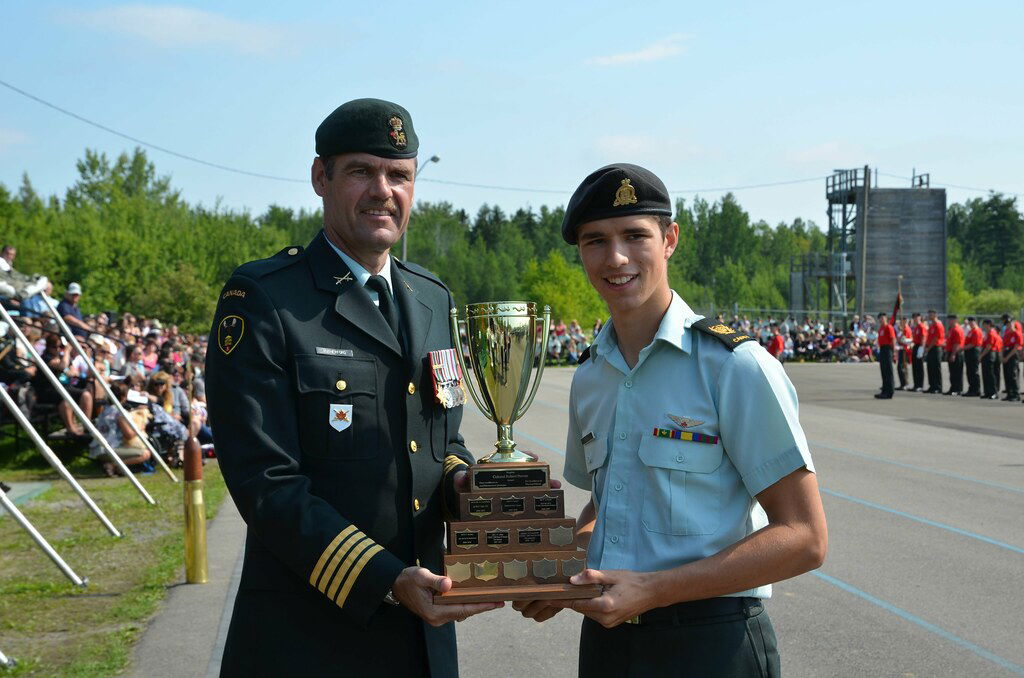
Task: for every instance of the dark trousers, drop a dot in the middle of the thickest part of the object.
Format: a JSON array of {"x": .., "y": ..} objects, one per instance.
[
  {"x": 885, "y": 363},
  {"x": 934, "y": 369},
  {"x": 917, "y": 367},
  {"x": 956, "y": 373},
  {"x": 990, "y": 374},
  {"x": 901, "y": 366},
  {"x": 1010, "y": 376},
  {"x": 720, "y": 637},
  {"x": 971, "y": 361}
]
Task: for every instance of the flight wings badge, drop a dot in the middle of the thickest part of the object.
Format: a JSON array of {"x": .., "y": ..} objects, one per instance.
[{"x": 684, "y": 422}]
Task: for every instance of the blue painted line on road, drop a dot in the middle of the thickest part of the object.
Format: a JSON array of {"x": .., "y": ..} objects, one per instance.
[
  {"x": 928, "y": 626},
  {"x": 948, "y": 474},
  {"x": 925, "y": 521}
]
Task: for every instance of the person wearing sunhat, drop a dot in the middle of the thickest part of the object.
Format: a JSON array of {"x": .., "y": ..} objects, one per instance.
[
  {"x": 665, "y": 399},
  {"x": 332, "y": 440}
]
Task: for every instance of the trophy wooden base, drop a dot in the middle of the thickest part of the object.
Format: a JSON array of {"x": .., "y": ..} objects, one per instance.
[{"x": 493, "y": 594}]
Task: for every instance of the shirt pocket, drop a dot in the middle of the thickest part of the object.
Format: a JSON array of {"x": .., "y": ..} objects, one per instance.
[
  {"x": 324, "y": 381},
  {"x": 682, "y": 487}
]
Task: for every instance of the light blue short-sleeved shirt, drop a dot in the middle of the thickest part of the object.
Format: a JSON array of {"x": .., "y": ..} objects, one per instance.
[{"x": 664, "y": 502}]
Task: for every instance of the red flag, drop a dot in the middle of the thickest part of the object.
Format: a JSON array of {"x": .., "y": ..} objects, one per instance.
[{"x": 896, "y": 307}]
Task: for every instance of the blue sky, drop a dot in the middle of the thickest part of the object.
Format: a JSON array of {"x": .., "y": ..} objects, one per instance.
[{"x": 528, "y": 95}]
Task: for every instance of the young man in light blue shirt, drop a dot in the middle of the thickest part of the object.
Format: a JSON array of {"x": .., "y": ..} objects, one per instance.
[{"x": 686, "y": 432}]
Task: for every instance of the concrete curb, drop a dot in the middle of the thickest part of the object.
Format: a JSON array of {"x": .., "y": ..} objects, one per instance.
[{"x": 186, "y": 637}]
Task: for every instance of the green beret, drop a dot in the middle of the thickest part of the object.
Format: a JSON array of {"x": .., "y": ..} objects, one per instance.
[
  {"x": 370, "y": 126},
  {"x": 617, "y": 190}
]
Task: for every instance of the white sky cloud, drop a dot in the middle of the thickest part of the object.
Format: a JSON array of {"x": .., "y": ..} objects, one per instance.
[
  {"x": 662, "y": 49},
  {"x": 177, "y": 26},
  {"x": 11, "y": 137}
]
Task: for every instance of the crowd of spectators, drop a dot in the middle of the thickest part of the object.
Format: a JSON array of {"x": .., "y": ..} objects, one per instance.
[
  {"x": 812, "y": 339},
  {"x": 152, "y": 369}
]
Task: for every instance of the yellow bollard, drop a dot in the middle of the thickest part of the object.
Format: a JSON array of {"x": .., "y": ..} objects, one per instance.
[{"x": 195, "y": 515}]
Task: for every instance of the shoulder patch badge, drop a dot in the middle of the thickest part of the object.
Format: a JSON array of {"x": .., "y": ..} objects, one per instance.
[
  {"x": 725, "y": 334},
  {"x": 626, "y": 195},
  {"x": 229, "y": 333},
  {"x": 397, "y": 135}
]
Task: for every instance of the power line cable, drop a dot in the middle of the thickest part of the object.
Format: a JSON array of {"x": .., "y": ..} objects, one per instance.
[
  {"x": 146, "y": 143},
  {"x": 226, "y": 168},
  {"x": 946, "y": 185}
]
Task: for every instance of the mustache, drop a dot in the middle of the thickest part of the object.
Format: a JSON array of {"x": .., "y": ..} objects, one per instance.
[{"x": 389, "y": 205}]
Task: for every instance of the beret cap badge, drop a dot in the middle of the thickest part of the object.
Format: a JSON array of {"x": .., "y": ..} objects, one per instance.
[
  {"x": 626, "y": 195},
  {"x": 396, "y": 135}
]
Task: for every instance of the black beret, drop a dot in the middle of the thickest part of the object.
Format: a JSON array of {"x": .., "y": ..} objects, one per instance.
[
  {"x": 370, "y": 126},
  {"x": 617, "y": 190}
]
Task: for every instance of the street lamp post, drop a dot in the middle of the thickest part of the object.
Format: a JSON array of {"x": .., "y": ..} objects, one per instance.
[{"x": 405, "y": 236}]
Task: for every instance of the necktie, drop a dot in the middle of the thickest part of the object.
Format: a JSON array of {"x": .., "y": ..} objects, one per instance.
[{"x": 386, "y": 304}]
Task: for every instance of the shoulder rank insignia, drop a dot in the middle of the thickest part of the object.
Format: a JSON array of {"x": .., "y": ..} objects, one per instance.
[
  {"x": 447, "y": 376},
  {"x": 584, "y": 356},
  {"x": 396, "y": 135},
  {"x": 725, "y": 334},
  {"x": 626, "y": 195},
  {"x": 229, "y": 333}
]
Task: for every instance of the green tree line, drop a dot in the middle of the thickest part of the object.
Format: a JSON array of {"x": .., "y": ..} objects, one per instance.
[{"x": 127, "y": 235}]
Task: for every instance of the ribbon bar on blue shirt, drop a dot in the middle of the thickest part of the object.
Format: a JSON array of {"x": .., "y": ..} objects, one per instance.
[{"x": 685, "y": 435}]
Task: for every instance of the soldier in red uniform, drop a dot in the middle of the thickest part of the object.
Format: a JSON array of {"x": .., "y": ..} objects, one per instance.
[
  {"x": 905, "y": 340},
  {"x": 955, "y": 354},
  {"x": 918, "y": 328},
  {"x": 934, "y": 340},
  {"x": 777, "y": 345},
  {"x": 1012, "y": 342},
  {"x": 886, "y": 346},
  {"x": 990, "y": 352},
  {"x": 972, "y": 348}
]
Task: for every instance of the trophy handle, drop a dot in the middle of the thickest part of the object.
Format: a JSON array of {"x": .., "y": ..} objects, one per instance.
[
  {"x": 466, "y": 376},
  {"x": 540, "y": 368}
]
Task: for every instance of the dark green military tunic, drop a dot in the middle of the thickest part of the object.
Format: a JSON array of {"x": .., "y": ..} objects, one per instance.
[{"x": 339, "y": 458}]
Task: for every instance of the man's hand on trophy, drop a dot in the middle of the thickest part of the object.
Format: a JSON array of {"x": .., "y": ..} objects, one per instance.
[
  {"x": 537, "y": 610},
  {"x": 462, "y": 478},
  {"x": 626, "y": 595},
  {"x": 415, "y": 589}
]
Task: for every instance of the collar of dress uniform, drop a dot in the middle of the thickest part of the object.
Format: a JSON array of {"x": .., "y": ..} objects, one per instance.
[
  {"x": 359, "y": 271},
  {"x": 672, "y": 330}
]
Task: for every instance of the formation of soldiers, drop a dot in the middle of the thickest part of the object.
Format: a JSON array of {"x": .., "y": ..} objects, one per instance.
[{"x": 984, "y": 353}]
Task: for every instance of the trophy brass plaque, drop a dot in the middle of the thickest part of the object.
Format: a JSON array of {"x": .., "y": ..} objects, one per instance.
[
  {"x": 511, "y": 503},
  {"x": 513, "y": 540}
]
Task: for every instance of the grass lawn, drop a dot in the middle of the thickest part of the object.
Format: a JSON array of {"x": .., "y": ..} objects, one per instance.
[{"x": 54, "y": 628}]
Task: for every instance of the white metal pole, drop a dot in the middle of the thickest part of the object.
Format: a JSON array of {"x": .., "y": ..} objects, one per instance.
[
  {"x": 89, "y": 426},
  {"x": 50, "y": 457},
  {"x": 106, "y": 387},
  {"x": 9, "y": 506}
]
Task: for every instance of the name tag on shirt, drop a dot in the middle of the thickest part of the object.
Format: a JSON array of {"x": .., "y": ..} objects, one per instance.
[{"x": 341, "y": 352}]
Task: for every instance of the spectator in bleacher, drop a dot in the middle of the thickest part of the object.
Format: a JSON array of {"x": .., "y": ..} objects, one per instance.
[
  {"x": 68, "y": 309},
  {"x": 119, "y": 433},
  {"x": 35, "y": 306},
  {"x": 182, "y": 405},
  {"x": 55, "y": 355},
  {"x": 133, "y": 364},
  {"x": 150, "y": 356}
]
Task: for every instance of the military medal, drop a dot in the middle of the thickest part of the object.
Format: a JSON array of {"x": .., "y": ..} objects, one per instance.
[{"x": 447, "y": 376}]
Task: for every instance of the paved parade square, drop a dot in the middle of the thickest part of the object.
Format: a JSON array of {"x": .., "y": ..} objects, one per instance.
[{"x": 923, "y": 577}]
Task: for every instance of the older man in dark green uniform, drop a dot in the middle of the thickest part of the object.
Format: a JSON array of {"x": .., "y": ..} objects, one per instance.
[{"x": 332, "y": 438}]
